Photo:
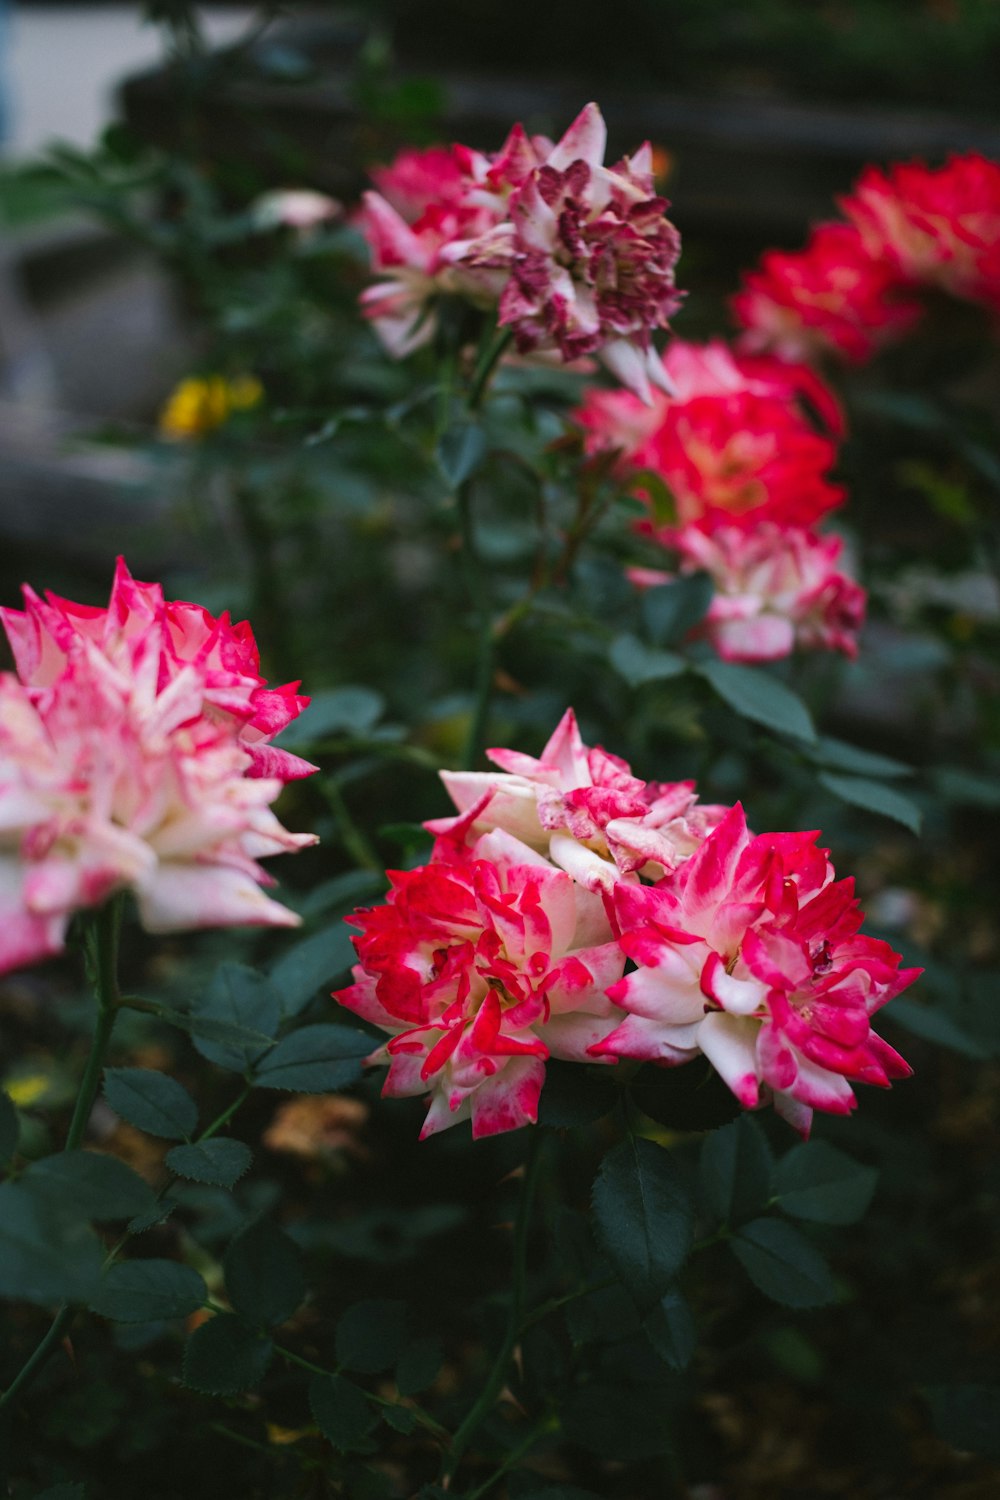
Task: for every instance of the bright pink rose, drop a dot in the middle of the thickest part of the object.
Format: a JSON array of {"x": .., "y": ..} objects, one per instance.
[
  {"x": 581, "y": 807},
  {"x": 731, "y": 443},
  {"x": 934, "y": 227},
  {"x": 134, "y": 754},
  {"x": 50, "y": 633},
  {"x": 777, "y": 589},
  {"x": 583, "y": 262},
  {"x": 751, "y": 953},
  {"x": 480, "y": 971},
  {"x": 832, "y": 297}
]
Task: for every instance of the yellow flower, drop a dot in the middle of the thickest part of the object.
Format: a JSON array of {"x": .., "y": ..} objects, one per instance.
[
  {"x": 199, "y": 404},
  {"x": 27, "y": 1089}
]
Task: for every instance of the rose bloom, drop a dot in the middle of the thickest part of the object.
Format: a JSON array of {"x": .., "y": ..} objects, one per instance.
[
  {"x": 752, "y": 954},
  {"x": 583, "y": 263},
  {"x": 427, "y": 202},
  {"x": 777, "y": 589},
  {"x": 480, "y": 971},
  {"x": 134, "y": 754},
  {"x": 833, "y": 297},
  {"x": 577, "y": 258},
  {"x": 733, "y": 443},
  {"x": 935, "y": 227},
  {"x": 579, "y": 806}
]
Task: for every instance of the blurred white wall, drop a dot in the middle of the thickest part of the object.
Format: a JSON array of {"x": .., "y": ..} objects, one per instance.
[{"x": 60, "y": 65}]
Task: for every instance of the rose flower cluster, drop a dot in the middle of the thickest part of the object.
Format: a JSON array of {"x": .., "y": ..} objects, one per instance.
[
  {"x": 510, "y": 947},
  {"x": 576, "y": 258},
  {"x": 856, "y": 284},
  {"x": 747, "y": 469},
  {"x": 135, "y": 754}
]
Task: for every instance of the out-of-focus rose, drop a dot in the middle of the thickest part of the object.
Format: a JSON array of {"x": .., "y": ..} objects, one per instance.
[
  {"x": 833, "y": 297},
  {"x": 134, "y": 755},
  {"x": 777, "y": 589},
  {"x": 935, "y": 227}
]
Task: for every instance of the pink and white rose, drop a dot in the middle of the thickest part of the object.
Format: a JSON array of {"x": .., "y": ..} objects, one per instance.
[
  {"x": 135, "y": 754},
  {"x": 751, "y": 953}
]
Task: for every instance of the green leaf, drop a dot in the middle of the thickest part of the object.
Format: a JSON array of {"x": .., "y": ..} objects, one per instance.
[
  {"x": 638, "y": 663},
  {"x": 735, "y": 1170},
  {"x": 756, "y": 695},
  {"x": 371, "y": 1335},
  {"x": 845, "y": 757},
  {"x": 314, "y": 964},
  {"x": 400, "y": 1418},
  {"x": 142, "y": 1291},
  {"x": 816, "y": 1181},
  {"x": 46, "y": 1256},
  {"x": 418, "y": 1366},
  {"x": 461, "y": 452},
  {"x": 643, "y": 1217},
  {"x": 873, "y": 796},
  {"x": 671, "y": 1331},
  {"x": 220, "y": 1161},
  {"x": 573, "y": 1095},
  {"x": 316, "y": 1060},
  {"x": 158, "y": 1214},
  {"x": 966, "y": 788},
  {"x": 89, "y": 1185},
  {"x": 934, "y": 1024},
  {"x": 10, "y": 1127},
  {"x": 343, "y": 1413},
  {"x": 151, "y": 1101},
  {"x": 783, "y": 1264},
  {"x": 967, "y": 1416},
  {"x": 224, "y": 1357},
  {"x": 264, "y": 1274},
  {"x": 335, "y": 711},
  {"x": 673, "y": 609},
  {"x": 238, "y": 996}
]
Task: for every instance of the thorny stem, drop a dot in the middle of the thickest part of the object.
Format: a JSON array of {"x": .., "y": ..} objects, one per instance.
[
  {"x": 101, "y": 954},
  {"x": 498, "y": 1373},
  {"x": 423, "y": 1417}
]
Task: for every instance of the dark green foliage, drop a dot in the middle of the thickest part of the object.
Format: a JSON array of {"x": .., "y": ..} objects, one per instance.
[
  {"x": 643, "y": 1217},
  {"x": 783, "y": 1264},
  {"x": 315, "y": 1060},
  {"x": 224, "y": 1357},
  {"x": 219, "y": 1161},
  {"x": 735, "y": 1169},
  {"x": 151, "y": 1101},
  {"x": 342, "y": 1411},
  {"x": 242, "y": 997},
  {"x": 816, "y": 1181},
  {"x": 141, "y": 1291},
  {"x": 10, "y": 1127},
  {"x": 264, "y": 1277},
  {"x": 371, "y": 1335},
  {"x": 89, "y": 1185},
  {"x": 754, "y": 694}
]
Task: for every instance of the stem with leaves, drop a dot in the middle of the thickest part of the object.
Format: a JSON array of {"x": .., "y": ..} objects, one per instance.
[
  {"x": 498, "y": 1372},
  {"x": 100, "y": 946}
]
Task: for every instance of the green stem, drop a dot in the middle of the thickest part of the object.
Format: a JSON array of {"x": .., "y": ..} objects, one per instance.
[
  {"x": 423, "y": 1417},
  {"x": 547, "y": 1424},
  {"x": 354, "y": 839},
  {"x": 498, "y": 1373},
  {"x": 489, "y": 357},
  {"x": 101, "y": 951},
  {"x": 478, "y": 593}
]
